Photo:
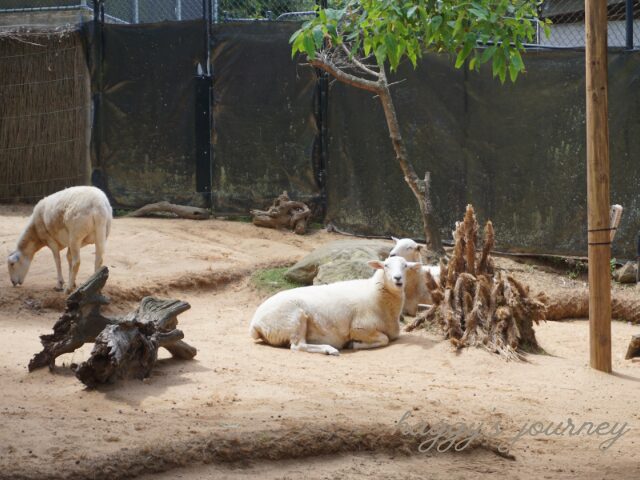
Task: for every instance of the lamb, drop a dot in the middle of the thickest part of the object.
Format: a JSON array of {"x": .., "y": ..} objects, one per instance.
[
  {"x": 72, "y": 218},
  {"x": 416, "y": 291},
  {"x": 325, "y": 318}
]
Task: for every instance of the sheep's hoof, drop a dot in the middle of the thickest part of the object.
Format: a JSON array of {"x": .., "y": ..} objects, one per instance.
[
  {"x": 332, "y": 351},
  {"x": 58, "y": 288}
]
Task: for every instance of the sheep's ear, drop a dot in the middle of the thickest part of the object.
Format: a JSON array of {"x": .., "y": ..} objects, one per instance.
[
  {"x": 395, "y": 239},
  {"x": 414, "y": 265},
  {"x": 418, "y": 247},
  {"x": 377, "y": 264}
]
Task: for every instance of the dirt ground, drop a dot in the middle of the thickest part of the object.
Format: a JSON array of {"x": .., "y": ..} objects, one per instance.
[{"x": 256, "y": 404}]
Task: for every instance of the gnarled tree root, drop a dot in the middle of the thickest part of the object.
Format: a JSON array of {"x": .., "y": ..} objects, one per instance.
[
  {"x": 284, "y": 213},
  {"x": 124, "y": 347},
  {"x": 634, "y": 347}
]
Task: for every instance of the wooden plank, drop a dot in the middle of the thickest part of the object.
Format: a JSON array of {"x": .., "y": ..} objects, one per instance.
[{"x": 598, "y": 185}]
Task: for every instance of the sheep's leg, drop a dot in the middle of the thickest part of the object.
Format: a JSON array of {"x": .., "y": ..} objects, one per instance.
[
  {"x": 368, "y": 339},
  {"x": 73, "y": 256},
  {"x": 311, "y": 348},
  {"x": 101, "y": 240},
  {"x": 299, "y": 338},
  {"x": 56, "y": 258}
]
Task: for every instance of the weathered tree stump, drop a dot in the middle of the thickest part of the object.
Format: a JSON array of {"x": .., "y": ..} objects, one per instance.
[
  {"x": 284, "y": 213},
  {"x": 475, "y": 306},
  {"x": 181, "y": 211},
  {"x": 634, "y": 347},
  {"x": 124, "y": 347}
]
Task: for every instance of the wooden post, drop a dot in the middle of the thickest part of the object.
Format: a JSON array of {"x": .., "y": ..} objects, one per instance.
[{"x": 598, "y": 184}]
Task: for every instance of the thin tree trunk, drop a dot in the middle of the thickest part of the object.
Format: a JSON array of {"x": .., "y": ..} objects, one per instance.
[{"x": 417, "y": 186}]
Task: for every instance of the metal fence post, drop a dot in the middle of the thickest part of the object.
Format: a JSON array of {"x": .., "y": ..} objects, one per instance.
[
  {"x": 136, "y": 11},
  {"x": 322, "y": 119},
  {"x": 629, "y": 29}
]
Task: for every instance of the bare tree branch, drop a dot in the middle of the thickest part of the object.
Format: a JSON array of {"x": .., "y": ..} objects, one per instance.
[
  {"x": 331, "y": 68},
  {"x": 359, "y": 64}
]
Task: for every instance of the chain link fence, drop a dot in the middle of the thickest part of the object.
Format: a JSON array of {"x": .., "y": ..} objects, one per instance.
[
  {"x": 152, "y": 11},
  {"x": 567, "y": 28},
  {"x": 146, "y": 11},
  {"x": 567, "y": 16}
]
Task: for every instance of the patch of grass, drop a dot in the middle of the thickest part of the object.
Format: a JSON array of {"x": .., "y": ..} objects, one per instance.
[
  {"x": 577, "y": 268},
  {"x": 121, "y": 212},
  {"x": 272, "y": 280},
  {"x": 315, "y": 226}
]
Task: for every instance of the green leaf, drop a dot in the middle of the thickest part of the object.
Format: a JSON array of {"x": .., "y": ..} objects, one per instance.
[
  {"x": 367, "y": 45},
  {"x": 295, "y": 35},
  {"x": 488, "y": 53},
  {"x": 309, "y": 46},
  {"x": 413, "y": 58},
  {"x": 381, "y": 54},
  {"x": 516, "y": 60},
  {"x": 513, "y": 72},
  {"x": 412, "y": 11},
  {"x": 318, "y": 36},
  {"x": 460, "y": 59},
  {"x": 391, "y": 50},
  {"x": 464, "y": 53},
  {"x": 502, "y": 74}
]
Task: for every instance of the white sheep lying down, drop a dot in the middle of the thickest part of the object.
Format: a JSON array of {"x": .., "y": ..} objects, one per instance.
[
  {"x": 72, "y": 218},
  {"x": 326, "y": 318},
  {"x": 416, "y": 291}
]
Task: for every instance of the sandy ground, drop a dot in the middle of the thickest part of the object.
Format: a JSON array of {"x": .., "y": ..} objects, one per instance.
[{"x": 51, "y": 427}]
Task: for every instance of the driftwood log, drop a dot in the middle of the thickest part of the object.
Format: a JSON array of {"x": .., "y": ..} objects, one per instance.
[
  {"x": 474, "y": 305},
  {"x": 284, "y": 213},
  {"x": 574, "y": 303},
  {"x": 181, "y": 211},
  {"x": 124, "y": 347},
  {"x": 634, "y": 347}
]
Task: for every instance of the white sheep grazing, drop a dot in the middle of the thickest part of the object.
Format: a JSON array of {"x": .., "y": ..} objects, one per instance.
[
  {"x": 416, "y": 291},
  {"x": 72, "y": 218},
  {"x": 325, "y": 318}
]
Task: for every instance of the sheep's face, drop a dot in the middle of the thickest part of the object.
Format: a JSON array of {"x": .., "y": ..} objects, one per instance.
[
  {"x": 407, "y": 249},
  {"x": 18, "y": 267},
  {"x": 395, "y": 271}
]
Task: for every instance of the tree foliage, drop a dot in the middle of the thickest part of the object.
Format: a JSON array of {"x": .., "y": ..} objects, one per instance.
[{"x": 389, "y": 31}]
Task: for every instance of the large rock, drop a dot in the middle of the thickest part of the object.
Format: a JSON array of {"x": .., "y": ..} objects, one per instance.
[
  {"x": 627, "y": 273},
  {"x": 339, "y": 260},
  {"x": 348, "y": 265}
]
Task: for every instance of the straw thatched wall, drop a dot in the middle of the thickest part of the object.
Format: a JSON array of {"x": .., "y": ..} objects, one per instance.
[{"x": 44, "y": 114}]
